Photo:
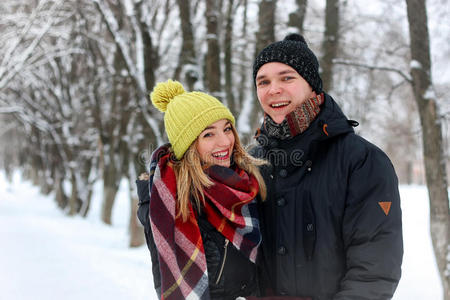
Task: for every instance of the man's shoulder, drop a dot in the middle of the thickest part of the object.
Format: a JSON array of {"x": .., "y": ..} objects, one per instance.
[
  {"x": 360, "y": 150},
  {"x": 365, "y": 145},
  {"x": 255, "y": 150}
]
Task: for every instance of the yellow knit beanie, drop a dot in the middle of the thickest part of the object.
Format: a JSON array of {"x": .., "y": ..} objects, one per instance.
[{"x": 187, "y": 114}]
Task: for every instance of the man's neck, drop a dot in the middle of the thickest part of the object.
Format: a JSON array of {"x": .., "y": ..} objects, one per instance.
[{"x": 297, "y": 121}]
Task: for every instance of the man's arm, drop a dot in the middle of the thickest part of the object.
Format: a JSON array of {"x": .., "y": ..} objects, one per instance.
[{"x": 372, "y": 229}]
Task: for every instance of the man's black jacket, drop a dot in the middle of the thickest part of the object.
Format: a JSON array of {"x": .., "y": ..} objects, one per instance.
[{"x": 332, "y": 224}]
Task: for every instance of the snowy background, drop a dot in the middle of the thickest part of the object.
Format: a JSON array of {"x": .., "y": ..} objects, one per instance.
[{"x": 46, "y": 255}]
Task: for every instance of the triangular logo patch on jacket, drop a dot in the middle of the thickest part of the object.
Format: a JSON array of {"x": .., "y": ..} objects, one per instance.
[{"x": 385, "y": 206}]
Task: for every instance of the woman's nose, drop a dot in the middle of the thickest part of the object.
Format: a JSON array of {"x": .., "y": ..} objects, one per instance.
[{"x": 223, "y": 140}]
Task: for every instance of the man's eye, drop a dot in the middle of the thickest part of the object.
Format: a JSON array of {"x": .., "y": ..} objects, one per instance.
[
  {"x": 287, "y": 78},
  {"x": 262, "y": 82}
]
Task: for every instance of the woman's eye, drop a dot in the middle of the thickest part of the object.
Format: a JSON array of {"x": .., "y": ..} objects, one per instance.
[
  {"x": 207, "y": 135},
  {"x": 227, "y": 129}
]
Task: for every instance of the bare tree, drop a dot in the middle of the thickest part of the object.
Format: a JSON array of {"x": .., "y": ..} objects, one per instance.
[
  {"x": 264, "y": 36},
  {"x": 433, "y": 152},
  {"x": 297, "y": 18},
  {"x": 330, "y": 43},
  {"x": 187, "y": 63},
  {"x": 243, "y": 49},
  {"x": 228, "y": 46},
  {"x": 266, "y": 24},
  {"x": 212, "y": 61}
]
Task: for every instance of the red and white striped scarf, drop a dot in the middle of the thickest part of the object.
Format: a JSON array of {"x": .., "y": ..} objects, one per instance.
[{"x": 230, "y": 206}]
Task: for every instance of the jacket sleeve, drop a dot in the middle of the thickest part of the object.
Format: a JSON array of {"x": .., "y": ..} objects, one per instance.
[
  {"x": 372, "y": 229},
  {"x": 143, "y": 216}
]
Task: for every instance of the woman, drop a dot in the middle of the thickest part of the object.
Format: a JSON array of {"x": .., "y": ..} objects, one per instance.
[{"x": 199, "y": 210}]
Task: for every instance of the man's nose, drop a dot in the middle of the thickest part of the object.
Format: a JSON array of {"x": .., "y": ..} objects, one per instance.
[{"x": 275, "y": 88}]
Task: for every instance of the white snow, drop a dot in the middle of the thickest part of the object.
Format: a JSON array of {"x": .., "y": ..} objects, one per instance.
[
  {"x": 430, "y": 94},
  {"x": 414, "y": 64},
  {"x": 47, "y": 255}
]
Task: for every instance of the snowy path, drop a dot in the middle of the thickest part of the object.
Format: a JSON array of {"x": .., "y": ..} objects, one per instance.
[{"x": 46, "y": 255}]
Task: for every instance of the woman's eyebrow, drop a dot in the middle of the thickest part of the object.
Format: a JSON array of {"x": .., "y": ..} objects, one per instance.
[{"x": 213, "y": 127}]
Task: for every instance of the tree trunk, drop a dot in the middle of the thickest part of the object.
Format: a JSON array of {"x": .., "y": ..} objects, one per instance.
[
  {"x": 60, "y": 196},
  {"x": 212, "y": 67},
  {"x": 228, "y": 44},
  {"x": 187, "y": 59},
  {"x": 266, "y": 22},
  {"x": 135, "y": 228},
  {"x": 110, "y": 188},
  {"x": 435, "y": 170},
  {"x": 151, "y": 58},
  {"x": 88, "y": 185},
  {"x": 264, "y": 37},
  {"x": 108, "y": 202},
  {"x": 74, "y": 201},
  {"x": 297, "y": 18},
  {"x": 330, "y": 43},
  {"x": 243, "y": 70}
]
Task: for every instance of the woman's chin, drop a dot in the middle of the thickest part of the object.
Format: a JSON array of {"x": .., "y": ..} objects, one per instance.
[{"x": 220, "y": 162}]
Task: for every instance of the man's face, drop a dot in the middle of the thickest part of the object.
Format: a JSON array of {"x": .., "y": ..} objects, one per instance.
[{"x": 281, "y": 89}]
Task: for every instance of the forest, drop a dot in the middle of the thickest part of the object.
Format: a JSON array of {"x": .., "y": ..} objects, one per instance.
[{"x": 75, "y": 78}]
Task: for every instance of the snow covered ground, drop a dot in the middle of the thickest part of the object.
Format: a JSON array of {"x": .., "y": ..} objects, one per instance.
[{"x": 47, "y": 255}]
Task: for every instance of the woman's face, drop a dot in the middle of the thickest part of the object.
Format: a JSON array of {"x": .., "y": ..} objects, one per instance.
[{"x": 215, "y": 144}]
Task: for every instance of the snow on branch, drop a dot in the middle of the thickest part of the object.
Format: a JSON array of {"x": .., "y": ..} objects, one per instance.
[
  {"x": 371, "y": 67},
  {"x": 7, "y": 73},
  {"x": 9, "y": 110},
  {"x": 120, "y": 40},
  {"x": 7, "y": 57}
]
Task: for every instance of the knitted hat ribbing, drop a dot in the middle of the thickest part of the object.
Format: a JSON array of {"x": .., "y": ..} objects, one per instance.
[
  {"x": 294, "y": 52},
  {"x": 187, "y": 114}
]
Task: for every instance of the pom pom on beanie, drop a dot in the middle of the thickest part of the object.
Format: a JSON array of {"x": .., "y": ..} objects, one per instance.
[
  {"x": 295, "y": 37},
  {"x": 164, "y": 92}
]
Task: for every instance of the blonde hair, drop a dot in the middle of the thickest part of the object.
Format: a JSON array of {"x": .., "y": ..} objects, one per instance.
[{"x": 192, "y": 180}]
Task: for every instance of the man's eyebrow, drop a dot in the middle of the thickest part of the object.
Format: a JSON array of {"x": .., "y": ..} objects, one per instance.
[
  {"x": 260, "y": 77},
  {"x": 282, "y": 72},
  {"x": 286, "y": 72}
]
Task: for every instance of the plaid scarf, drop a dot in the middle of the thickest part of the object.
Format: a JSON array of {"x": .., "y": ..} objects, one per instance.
[
  {"x": 230, "y": 206},
  {"x": 296, "y": 121}
]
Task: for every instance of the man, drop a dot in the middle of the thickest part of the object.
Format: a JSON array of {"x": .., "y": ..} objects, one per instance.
[{"x": 332, "y": 222}]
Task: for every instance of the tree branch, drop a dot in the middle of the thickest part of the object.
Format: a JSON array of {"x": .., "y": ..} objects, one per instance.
[{"x": 369, "y": 67}]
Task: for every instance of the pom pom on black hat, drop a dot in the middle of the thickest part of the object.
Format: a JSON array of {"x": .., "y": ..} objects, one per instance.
[
  {"x": 295, "y": 37},
  {"x": 294, "y": 52}
]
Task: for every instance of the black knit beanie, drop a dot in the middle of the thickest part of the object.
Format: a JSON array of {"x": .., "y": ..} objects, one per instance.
[{"x": 294, "y": 52}]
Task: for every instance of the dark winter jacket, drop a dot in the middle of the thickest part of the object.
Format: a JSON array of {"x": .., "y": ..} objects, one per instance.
[
  {"x": 332, "y": 221},
  {"x": 230, "y": 273}
]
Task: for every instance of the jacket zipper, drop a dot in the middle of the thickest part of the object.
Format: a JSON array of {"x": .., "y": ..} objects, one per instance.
[{"x": 223, "y": 261}]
